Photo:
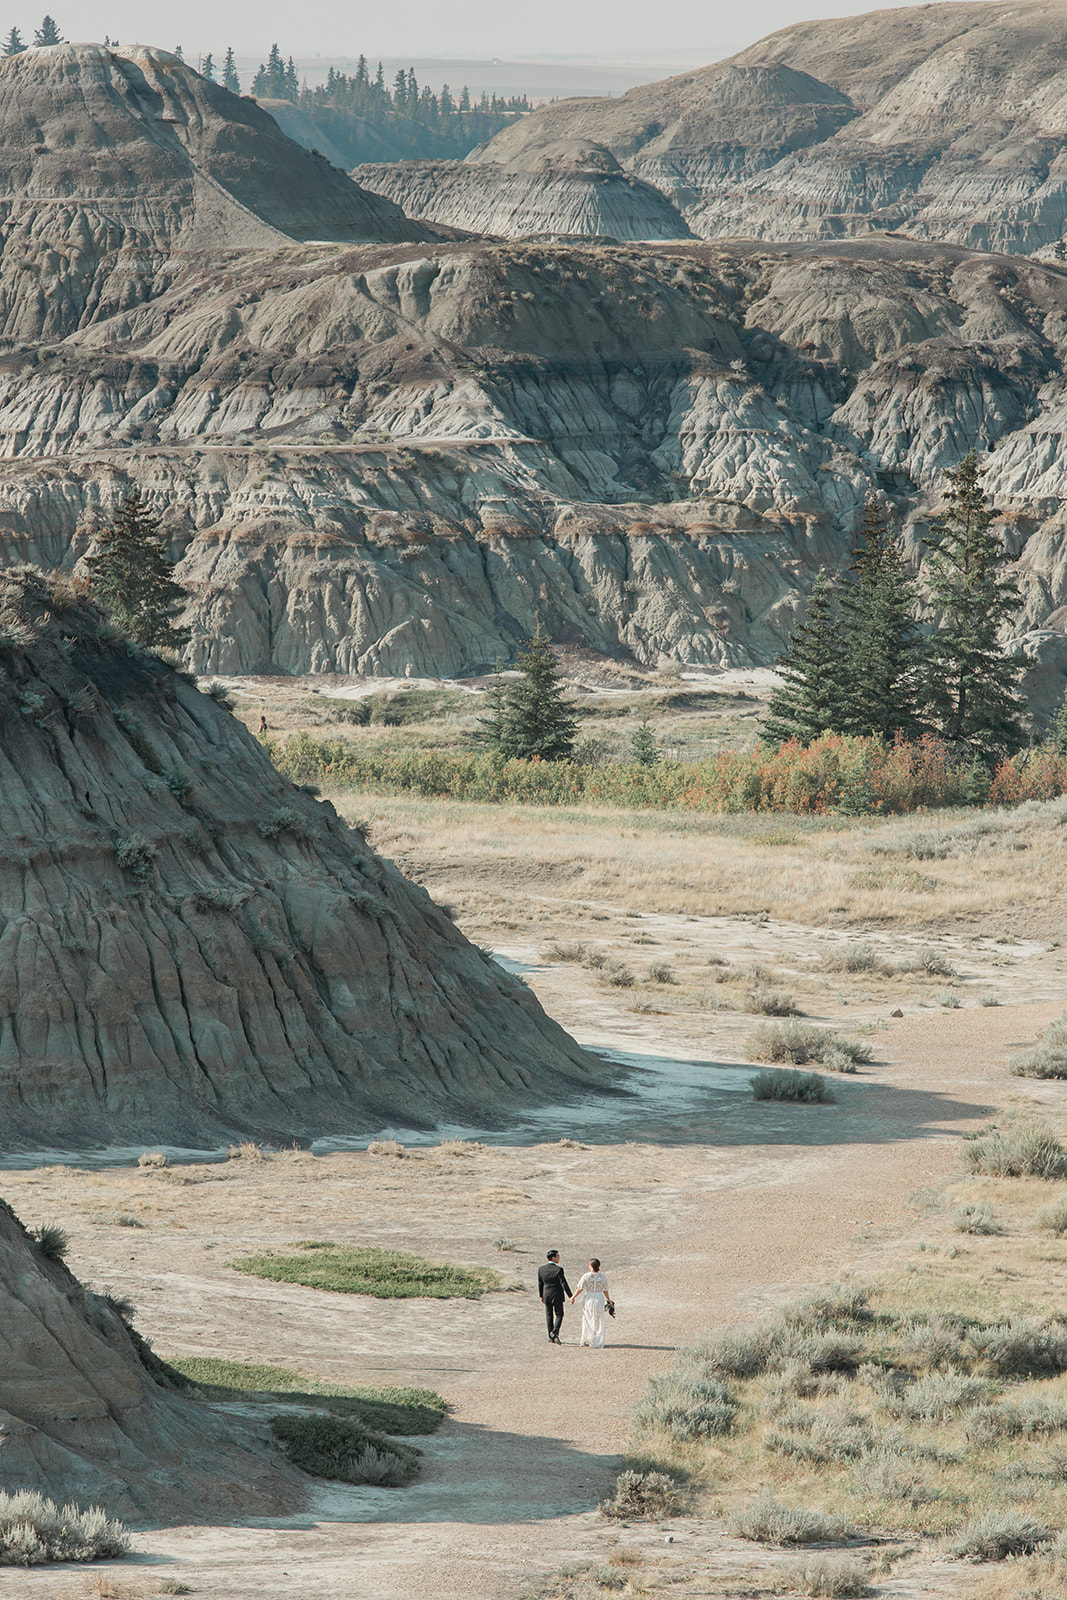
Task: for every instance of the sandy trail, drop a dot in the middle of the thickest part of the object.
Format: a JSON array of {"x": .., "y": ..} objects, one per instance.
[{"x": 733, "y": 1208}]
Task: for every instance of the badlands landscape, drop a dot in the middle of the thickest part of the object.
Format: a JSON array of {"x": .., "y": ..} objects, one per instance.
[{"x": 309, "y": 1052}]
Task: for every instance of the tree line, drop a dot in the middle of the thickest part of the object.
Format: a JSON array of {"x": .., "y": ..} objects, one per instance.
[
  {"x": 46, "y": 34},
  {"x": 871, "y": 659}
]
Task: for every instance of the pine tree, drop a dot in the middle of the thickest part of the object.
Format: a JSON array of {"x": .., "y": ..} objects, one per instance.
[
  {"x": 291, "y": 89},
  {"x": 971, "y": 684},
  {"x": 47, "y": 33},
  {"x": 531, "y": 718},
  {"x": 809, "y": 703},
  {"x": 1057, "y": 734},
  {"x": 881, "y": 639},
  {"x": 643, "y": 747},
  {"x": 131, "y": 578},
  {"x": 207, "y": 68},
  {"x": 230, "y": 80},
  {"x": 492, "y": 726},
  {"x": 13, "y": 45},
  {"x": 178, "y": 51}
]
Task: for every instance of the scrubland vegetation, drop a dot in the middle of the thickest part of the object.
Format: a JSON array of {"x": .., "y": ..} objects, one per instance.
[{"x": 385, "y": 1274}]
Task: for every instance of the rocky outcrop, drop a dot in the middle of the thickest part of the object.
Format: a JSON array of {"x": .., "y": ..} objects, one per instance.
[
  {"x": 190, "y": 947},
  {"x": 83, "y": 1420},
  {"x": 569, "y": 188},
  {"x": 944, "y": 120}
]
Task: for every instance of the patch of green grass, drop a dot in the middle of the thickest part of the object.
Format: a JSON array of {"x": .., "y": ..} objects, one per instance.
[
  {"x": 385, "y": 1274},
  {"x": 388, "y": 1410},
  {"x": 336, "y": 1447}
]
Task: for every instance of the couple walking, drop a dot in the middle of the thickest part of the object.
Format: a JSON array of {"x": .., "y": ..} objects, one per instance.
[{"x": 596, "y": 1299}]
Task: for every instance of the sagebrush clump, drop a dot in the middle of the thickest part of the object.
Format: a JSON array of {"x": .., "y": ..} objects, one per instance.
[{"x": 33, "y": 1530}]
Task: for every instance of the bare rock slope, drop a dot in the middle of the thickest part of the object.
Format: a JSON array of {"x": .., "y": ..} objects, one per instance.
[
  {"x": 949, "y": 121},
  {"x": 83, "y": 1419},
  {"x": 190, "y": 947},
  {"x": 566, "y": 188}
]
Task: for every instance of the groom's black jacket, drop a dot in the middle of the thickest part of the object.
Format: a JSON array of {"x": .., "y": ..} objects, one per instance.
[{"x": 552, "y": 1281}]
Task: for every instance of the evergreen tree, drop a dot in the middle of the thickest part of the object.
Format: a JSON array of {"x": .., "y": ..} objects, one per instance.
[
  {"x": 881, "y": 642},
  {"x": 809, "y": 703},
  {"x": 970, "y": 683},
  {"x": 179, "y": 52},
  {"x": 47, "y": 33},
  {"x": 1057, "y": 734},
  {"x": 230, "y": 80},
  {"x": 291, "y": 90},
  {"x": 131, "y": 578},
  {"x": 492, "y": 726},
  {"x": 643, "y": 747},
  {"x": 207, "y": 68},
  {"x": 531, "y": 718},
  {"x": 13, "y": 45}
]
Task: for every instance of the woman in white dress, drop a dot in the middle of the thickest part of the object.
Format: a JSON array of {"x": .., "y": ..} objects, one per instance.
[{"x": 593, "y": 1288}]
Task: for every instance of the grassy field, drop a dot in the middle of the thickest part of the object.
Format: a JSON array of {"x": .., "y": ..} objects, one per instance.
[
  {"x": 384, "y": 1274},
  {"x": 388, "y": 1410}
]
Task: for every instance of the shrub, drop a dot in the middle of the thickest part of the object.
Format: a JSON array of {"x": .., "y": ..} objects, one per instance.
[
  {"x": 841, "y": 1305},
  {"x": 1053, "y": 1218},
  {"x": 802, "y": 1088},
  {"x": 859, "y": 957},
  {"x": 642, "y": 1494},
  {"x": 558, "y": 950},
  {"x": 800, "y": 1042},
  {"x": 248, "y": 1150},
  {"x": 82, "y": 702},
  {"x": 998, "y": 1535},
  {"x": 1048, "y": 1059},
  {"x": 839, "y": 1059},
  {"x": 34, "y": 1529},
  {"x": 941, "y": 1395},
  {"x": 220, "y": 694},
  {"x": 685, "y": 1406},
  {"x": 770, "y": 1523},
  {"x": 977, "y": 1219},
  {"x": 735, "y": 1352},
  {"x": 932, "y": 1344},
  {"x": 51, "y": 1240},
  {"x": 386, "y": 1147},
  {"x": 660, "y": 972},
  {"x": 336, "y": 1447},
  {"x": 135, "y": 855},
  {"x": 770, "y": 1003},
  {"x": 617, "y": 974},
  {"x": 385, "y": 1274},
  {"x": 1018, "y": 1149},
  {"x": 179, "y": 783},
  {"x": 829, "y": 1577},
  {"x": 284, "y": 820},
  {"x": 1022, "y": 1348},
  {"x": 153, "y": 1158},
  {"x": 386, "y": 1410},
  {"x": 505, "y": 1244}
]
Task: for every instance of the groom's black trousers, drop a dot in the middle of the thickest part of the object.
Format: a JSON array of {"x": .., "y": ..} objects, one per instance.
[{"x": 554, "y": 1313}]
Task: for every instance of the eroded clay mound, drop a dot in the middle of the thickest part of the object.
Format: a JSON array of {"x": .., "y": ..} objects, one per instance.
[
  {"x": 568, "y": 188},
  {"x": 82, "y": 1419},
  {"x": 190, "y": 947}
]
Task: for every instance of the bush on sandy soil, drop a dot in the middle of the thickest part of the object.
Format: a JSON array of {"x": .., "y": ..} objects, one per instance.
[
  {"x": 1023, "y": 1348},
  {"x": 1028, "y": 1418},
  {"x": 387, "y": 1147},
  {"x": 660, "y": 972},
  {"x": 841, "y": 1305},
  {"x": 556, "y": 950},
  {"x": 336, "y": 1447},
  {"x": 998, "y": 1535},
  {"x": 802, "y": 1088},
  {"x": 933, "y": 1344},
  {"x": 642, "y": 1494},
  {"x": 34, "y": 1529},
  {"x": 1047, "y": 1059},
  {"x": 977, "y": 1219},
  {"x": 1016, "y": 1148},
  {"x": 385, "y": 1274},
  {"x": 768, "y": 1522},
  {"x": 735, "y": 1352},
  {"x": 828, "y": 1577},
  {"x": 617, "y": 974},
  {"x": 938, "y": 1396},
  {"x": 248, "y": 1150},
  {"x": 1053, "y": 1218},
  {"x": 153, "y": 1158},
  {"x": 684, "y": 1405},
  {"x": 770, "y": 1003},
  {"x": 858, "y": 957},
  {"x": 800, "y": 1042},
  {"x": 932, "y": 962},
  {"x": 51, "y": 1240}
]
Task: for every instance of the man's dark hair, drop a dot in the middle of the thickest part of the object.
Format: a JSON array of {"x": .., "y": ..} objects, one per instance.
[{"x": 552, "y": 1253}]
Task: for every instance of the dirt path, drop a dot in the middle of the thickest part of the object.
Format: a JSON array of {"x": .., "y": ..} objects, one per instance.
[{"x": 733, "y": 1208}]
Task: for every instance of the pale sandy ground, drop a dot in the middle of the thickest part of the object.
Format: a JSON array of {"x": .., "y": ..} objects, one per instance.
[{"x": 734, "y": 1207}]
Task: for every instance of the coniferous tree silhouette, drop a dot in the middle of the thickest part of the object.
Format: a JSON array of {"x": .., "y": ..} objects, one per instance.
[
  {"x": 881, "y": 640},
  {"x": 810, "y": 701},
  {"x": 131, "y": 578}
]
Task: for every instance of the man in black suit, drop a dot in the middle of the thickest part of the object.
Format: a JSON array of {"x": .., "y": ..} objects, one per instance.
[{"x": 552, "y": 1286}]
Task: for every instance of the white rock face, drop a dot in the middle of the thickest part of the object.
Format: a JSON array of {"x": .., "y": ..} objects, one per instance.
[
  {"x": 573, "y": 188},
  {"x": 944, "y": 120}
]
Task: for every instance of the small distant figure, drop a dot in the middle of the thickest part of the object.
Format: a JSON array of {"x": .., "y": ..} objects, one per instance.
[
  {"x": 262, "y": 723},
  {"x": 596, "y": 1299},
  {"x": 552, "y": 1286}
]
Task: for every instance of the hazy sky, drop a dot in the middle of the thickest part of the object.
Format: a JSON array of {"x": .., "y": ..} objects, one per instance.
[{"x": 682, "y": 30}]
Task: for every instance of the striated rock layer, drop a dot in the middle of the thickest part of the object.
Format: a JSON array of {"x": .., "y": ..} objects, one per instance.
[
  {"x": 191, "y": 948},
  {"x": 391, "y": 459},
  {"x": 944, "y": 120},
  {"x": 567, "y": 188},
  {"x": 82, "y": 1419}
]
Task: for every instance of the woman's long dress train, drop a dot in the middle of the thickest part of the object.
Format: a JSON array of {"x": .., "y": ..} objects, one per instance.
[{"x": 593, "y": 1320}]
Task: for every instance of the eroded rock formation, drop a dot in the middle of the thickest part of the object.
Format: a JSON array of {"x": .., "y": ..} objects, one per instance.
[
  {"x": 944, "y": 120},
  {"x": 190, "y": 947},
  {"x": 82, "y": 1419},
  {"x": 572, "y": 187}
]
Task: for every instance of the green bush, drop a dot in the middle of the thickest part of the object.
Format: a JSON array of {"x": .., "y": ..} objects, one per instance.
[
  {"x": 1053, "y": 1218},
  {"x": 34, "y": 1529},
  {"x": 685, "y": 1406},
  {"x": 770, "y": 1523},
  {"x": 800, "y": 1042},
  {"x": 1015, "y": 1149},
  {"x": 998, "y": 1535},
  {"x": 135, "y": 854},
  {"x": 51, "y": 1240},
  {"x": 977, "y": 1219},
  {"x": 770, "y": 1003},
  {"x": 284, "y": 820},
  {"x": 384, "y": 1274},
  {"x": 802, "y": 1088},
  {"x": 336, "y": 1447},
  {"x": 1023, "y": 1348}
]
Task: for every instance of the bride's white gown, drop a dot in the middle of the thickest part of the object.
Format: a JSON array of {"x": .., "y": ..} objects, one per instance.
[{"x": 593, "y": 1288}]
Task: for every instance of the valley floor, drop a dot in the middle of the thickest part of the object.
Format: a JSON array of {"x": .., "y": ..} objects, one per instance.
[{"x": 704, "y": 1206}]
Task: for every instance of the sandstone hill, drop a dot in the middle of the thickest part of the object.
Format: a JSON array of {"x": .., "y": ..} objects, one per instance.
[
  {"x": 948, "y": 121},
  {"x": 566, "y": 188},
  {"x": 190, "y": 947},
  {"x": 395, "y": 459},
  {"x": 83, "y": 1419},
  {"x": 105, "y": 151}
]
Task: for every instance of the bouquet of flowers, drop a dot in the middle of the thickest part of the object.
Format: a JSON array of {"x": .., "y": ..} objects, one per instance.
[{"x": 609, "y": 1307}]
